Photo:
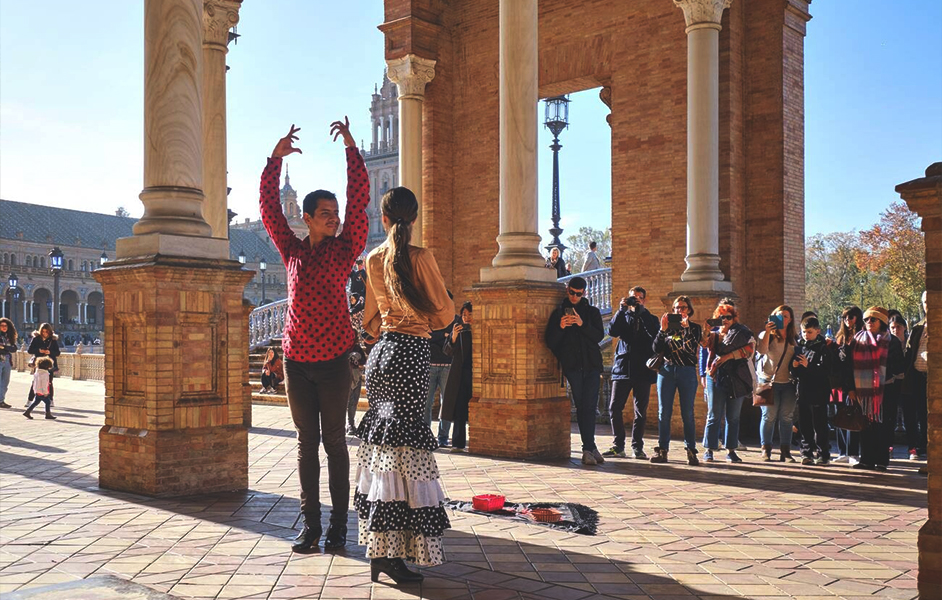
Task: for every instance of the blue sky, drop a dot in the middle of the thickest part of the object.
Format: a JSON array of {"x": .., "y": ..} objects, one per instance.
[{"x": 71, "y": 105}]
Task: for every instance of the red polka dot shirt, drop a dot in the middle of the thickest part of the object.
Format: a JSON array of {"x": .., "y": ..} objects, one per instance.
[{"x": 318, "y": 327}]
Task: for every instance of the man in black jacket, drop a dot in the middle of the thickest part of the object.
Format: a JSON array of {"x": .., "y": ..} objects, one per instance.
[
  {"x": 635, "y": 329},
  {"x": 916, "y": 413},
  {"x": 573, "y": 334}
]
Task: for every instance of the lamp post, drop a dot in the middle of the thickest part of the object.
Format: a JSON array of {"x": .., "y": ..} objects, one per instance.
[
  {"x": 263, "y": 266},
  {"x": 14, "y": 293},
  {"x": 55, "y": 262},
  {"x": 557, "y": 119},
  {"x": 103, "y": 258},
  {"x": 242, "y": 257}
]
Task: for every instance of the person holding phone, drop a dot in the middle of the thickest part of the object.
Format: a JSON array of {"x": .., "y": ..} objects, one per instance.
[
  {"x": 457, "y": 397},
  {"x": 680, "y": 346},
  {"x": 573, "y": 333},
  {"x": 776, "y": 349},
  {"x": 729, "y": 379}
]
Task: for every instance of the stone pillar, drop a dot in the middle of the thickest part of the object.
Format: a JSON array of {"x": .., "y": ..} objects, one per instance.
[
  {"x": 703, "y": 147},
  {"x": 219, "y": 16},
  {"x": 411, "y": 73},
  {"x": 924, "y": 197},
  {"x": 173, "y": 221},
  {"x": 174, "y": 341},
  {"x": 519, "y": 409}
]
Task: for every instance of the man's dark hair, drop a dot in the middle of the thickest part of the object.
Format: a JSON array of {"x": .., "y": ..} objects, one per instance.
[
  {"x": 311, "y": 200},
  {"x": 592, "y": 245},
  {"x": 638, "y": 288},
  {"x": 577, "y": 283},
  {"x": 467, "y": 306},
  {"x": 810, "y": 323}
]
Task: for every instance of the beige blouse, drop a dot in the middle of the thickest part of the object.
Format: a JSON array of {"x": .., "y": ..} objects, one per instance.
[{"x": 388, "y": 314}]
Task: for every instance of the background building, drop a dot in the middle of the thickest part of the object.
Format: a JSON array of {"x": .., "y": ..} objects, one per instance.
[
  {"x": 382, "y": 159},
  {"x": 28, "y": 232}
]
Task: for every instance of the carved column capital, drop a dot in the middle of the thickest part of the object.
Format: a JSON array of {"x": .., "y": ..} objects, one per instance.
[
  {"x": 219, "y": 16},
  {"x": 703, "y": 12},
  {"x": 411, "y": 73}
]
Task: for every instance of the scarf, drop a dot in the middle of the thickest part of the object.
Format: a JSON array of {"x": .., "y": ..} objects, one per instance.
[{"x": 869, "y": 360}]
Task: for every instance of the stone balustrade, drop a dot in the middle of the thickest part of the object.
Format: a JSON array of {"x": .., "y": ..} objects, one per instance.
[
  {"x": 75, "y": 365},
  {"x": 598, "y": 288},
  {"x": 267, "y": 323}
]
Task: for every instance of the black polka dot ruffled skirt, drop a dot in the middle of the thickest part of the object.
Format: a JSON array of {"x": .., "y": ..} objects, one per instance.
[{"x": 399, "y": 499}]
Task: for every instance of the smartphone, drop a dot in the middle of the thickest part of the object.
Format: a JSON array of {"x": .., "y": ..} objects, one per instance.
[
  {"x": 778, "y": 321},
  {"x": 715, "y": 322},
  {"x": 674, "y": 322},
  {"x": 569, "y": 311}
]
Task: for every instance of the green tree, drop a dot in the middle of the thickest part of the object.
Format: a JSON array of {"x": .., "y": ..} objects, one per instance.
[
  {"x": 895, "y": 250},
  {"x": 579, "y": 246},
  {"x": 832, "y": 278}
]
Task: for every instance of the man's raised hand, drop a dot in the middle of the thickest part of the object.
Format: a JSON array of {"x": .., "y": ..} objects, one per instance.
[
  {"x": 338, "y": 128},
  {"x": 284, "y": 147}
]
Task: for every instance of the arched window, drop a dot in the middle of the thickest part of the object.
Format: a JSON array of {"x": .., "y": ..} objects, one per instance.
[
  {"x": 5, "y": 258},
  {"x": 71, "y": 268},
  {"x": 84, "y": 266},
  {"x": 42, "y": 262},
  {"x": 13, "y": 260},
  {"x": 29, "y": 261}
]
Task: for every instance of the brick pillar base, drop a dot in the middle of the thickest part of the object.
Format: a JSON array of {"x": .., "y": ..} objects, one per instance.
[
  {"x": 176, "y": 351},
  {"x": 519, "y": 409}
]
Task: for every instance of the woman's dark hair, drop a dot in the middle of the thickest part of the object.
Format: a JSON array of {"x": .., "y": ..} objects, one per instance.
[
  {"x": 467, "y": 306},
  {"x": 845, "y": 335},
  {"x": 11, "y": 330},
  {"x": 52, "y": 331},
  {"x": 790, "y": 331},
  {"x": 401, "y": 208},
  {"x": 686, "y": 300}
]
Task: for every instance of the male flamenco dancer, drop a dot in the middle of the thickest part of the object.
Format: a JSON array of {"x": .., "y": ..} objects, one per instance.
[{"x": 318, "y": 334}]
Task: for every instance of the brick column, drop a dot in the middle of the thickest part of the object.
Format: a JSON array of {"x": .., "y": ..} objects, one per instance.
[
  {"x": 219, "y": 16},
  {"x": 924, "y": 197},
  {"x": 703, "y": 148},
  {"x": 411, "y": 73},
  {"x": 247, "y": 308}
]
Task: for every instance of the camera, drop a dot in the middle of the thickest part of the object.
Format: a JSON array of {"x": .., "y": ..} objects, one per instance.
[
  {"x": 631, "y": 301},
  {"x": 715, "y": 322},
  {"x": 674, "y": 322}
]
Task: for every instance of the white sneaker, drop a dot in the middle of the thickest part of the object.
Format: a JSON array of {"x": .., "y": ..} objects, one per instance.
[
  {"x": 852, "y": 460},
  {"x": 588, "y": 458},
  {"x": 841, "y": 459}
]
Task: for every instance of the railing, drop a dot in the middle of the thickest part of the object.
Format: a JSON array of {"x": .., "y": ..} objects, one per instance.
[
  {"x": 598, "y": 288},
  {"x": 77, "y": 365},
  {"x": 267, "y": 323}
]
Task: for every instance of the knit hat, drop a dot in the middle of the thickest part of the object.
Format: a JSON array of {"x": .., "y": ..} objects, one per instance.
[{"x": 878, "y": 312}]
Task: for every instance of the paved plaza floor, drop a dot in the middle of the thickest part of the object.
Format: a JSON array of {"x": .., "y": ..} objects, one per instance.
[{"x": 754, "y": 530}]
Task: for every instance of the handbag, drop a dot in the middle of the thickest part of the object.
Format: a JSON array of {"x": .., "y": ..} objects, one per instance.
[
  {"x": 850, "y": 417},
  {"x": 656, "y": 362},
  {"x": 763, "y": 394}
]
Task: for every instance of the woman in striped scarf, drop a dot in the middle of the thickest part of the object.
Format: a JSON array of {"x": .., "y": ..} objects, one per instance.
[{"x": 872, "y": 376}]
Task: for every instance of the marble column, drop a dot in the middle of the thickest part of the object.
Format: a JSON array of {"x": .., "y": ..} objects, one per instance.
[
  {"x": 518, "y": 257},
  {"x": 703, "y": 180},
  {"x": 173, "y": 222},
  {"x": 219, "y": 16},
  {"x": 924, "y": 197},
  {"x": 411, "y": 73}
]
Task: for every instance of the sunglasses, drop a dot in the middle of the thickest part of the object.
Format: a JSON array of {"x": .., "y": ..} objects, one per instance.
[
  {"x": 572, "y": 292},
  {"x": 871, "y": 320},
  {"x": 681, "y": 306},
  {"x": 727, "y": 317}
]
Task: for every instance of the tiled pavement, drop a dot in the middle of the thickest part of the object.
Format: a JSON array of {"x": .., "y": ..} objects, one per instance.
[{"x": 667, "y": 531}]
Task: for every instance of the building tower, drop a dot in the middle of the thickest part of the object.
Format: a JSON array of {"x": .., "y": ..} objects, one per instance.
[
  {"x": 382, "y": 159},
  {"x": 289, "y": 205}
]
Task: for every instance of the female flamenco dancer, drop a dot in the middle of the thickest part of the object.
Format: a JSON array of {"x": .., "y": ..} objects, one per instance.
[{"x": 398, "y": 497}]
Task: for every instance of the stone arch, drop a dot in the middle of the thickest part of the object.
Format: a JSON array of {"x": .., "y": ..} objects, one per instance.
[
  {"x": 96, "y": 307},
  {"x": 69, "y": 306},
  {"x": 42, "y": 262},
  {"x": 71, "y": 265},
  {"x": 42, "y": 313},
  {"x": 29, "y": 260},
  {"x": 12, "y": 260}
]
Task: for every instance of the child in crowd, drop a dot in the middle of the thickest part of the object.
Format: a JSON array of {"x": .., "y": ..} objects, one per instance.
[
  {"x": 811, "y": 367},
  {"x": 42, "y": 387}
]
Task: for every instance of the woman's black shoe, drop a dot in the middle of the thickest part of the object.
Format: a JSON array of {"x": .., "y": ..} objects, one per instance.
[
  {"x": 395, "y": 568},
  {"x": 336, "y": 537},
  {"x": 306, "y": 542}
]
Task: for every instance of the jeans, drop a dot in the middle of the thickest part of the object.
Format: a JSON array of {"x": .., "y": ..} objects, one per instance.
[
  {"x": 444, "y": 429},
  {"x": 356, "y": 385},
  {"x": 5, "y": 370},
  {"x": 783, "y": 410},
  {"x": 814, "y": 430},
  {"x": 721, "y": 405},
  {"x": 915, "y": 412},
  {"x": 270, "y": 381},
  {"x": 670, "y": 380},
  {"x": 642, "y": 396},
  {"x": 317, "y": 396},
  {"x": 437, "y": 377},
  {"x": 585, "y": 386}
]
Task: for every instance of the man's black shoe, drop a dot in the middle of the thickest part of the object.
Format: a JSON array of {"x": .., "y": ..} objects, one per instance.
[
  {"x": 306, "y": 542},
  {"x": 336, "y": 537}
]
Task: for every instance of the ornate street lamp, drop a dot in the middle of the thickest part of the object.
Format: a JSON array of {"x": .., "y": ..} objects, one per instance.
[
  {"x": 263, "y": 266},
  {"x": 103, "y": 258},
  {"x": 55, "y": 262},
  {"x": 14, "y": 293},
  {"x": 557, "y": 119},
  {"x": 242, "y": 257}
]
